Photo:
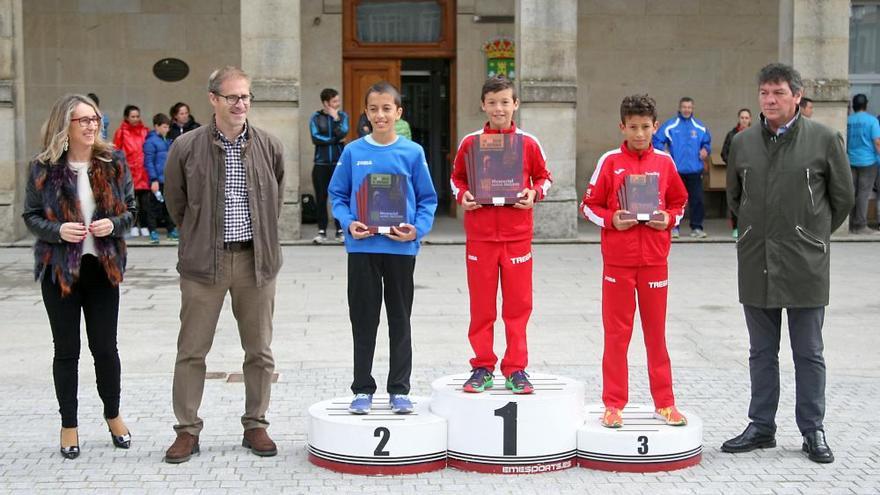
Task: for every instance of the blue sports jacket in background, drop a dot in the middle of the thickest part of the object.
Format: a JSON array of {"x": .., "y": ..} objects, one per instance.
[
  {"x": 155, "y": 153},
  {"x": 683, "y": 138},
  {"x": 403, "y": 157},
  {"x": 328, "y": 136}
]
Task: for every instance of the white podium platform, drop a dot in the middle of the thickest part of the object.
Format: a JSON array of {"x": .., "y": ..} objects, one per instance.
[
  {"x": 644, "y": 444},
  {"x": 499, "y": 432},
  {"x": 379, "y": 443}
]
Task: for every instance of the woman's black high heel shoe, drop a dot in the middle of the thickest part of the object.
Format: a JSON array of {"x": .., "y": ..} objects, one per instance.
[
  {"x": 120, "y": 441},
  {"x": 71, "y": 452}
]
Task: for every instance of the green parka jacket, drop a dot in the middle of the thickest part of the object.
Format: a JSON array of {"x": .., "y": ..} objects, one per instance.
[{"x": 790, "y": 193}]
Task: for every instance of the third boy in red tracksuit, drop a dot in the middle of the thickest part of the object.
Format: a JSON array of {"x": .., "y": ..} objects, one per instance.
[
  {"x": 499, "y": 243},
  {"x": 634, "y": 256}
]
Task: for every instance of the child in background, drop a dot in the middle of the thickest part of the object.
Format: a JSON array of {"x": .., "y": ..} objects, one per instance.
[
  {"x": 155, "y": 152},
  {"x": 129, "y": 138}
]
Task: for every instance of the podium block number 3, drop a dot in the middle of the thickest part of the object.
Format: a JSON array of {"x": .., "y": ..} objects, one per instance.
[
  {"x": 643, "y": 445},
  {"x": 384, "y": 434},
  {"x": 508, "y": 417}
]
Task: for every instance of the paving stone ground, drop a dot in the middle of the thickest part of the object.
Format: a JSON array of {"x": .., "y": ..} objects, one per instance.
[{"x": 706, "y": 337}]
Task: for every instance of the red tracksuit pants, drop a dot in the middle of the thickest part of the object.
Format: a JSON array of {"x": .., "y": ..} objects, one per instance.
[
  {"x": 512, "y": 261},
  {"x": 621, "y": 285}
]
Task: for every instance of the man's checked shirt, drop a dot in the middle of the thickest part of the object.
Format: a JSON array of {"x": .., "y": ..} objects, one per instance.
[{"x": 237, "y": 214}]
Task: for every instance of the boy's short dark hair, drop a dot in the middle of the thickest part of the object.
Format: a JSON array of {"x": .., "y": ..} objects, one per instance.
[
  {"x": 805, "y": 101},
  {"x": 684, "y": 99},
  {"x": 781, "y": 73},
  {"x": 641, "y": 105},
  {"x": 328, "y": 94},
  {"x": 860, "y": 102},
  {"x": 383, "y": 87},
  {"x": 129, "y": 109},
  {"x": 161, "y": 118},
  {"x": 95, "y": 99},
  {"x": 497, "y": 83}
]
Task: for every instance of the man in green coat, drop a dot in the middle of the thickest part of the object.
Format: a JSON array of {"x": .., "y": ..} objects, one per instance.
[{"x": 788, "y": 182}]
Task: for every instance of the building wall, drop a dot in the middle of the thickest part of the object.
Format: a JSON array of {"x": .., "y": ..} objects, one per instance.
[
  {"x": 710, "y": 50},
  {"x": 321, "y": 28},
  {"x": 471, "y": 59},
  {"x": 109, "y": 47}
]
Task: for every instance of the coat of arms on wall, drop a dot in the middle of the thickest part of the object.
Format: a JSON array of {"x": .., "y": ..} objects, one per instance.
[{"x": 500, "y": 55}]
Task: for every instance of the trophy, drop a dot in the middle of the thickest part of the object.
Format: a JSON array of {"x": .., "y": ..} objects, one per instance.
[
  {"x": 381, "y": 202},
  {"x": 640, "y": 196},
  {"x": 495, "y": 168}
]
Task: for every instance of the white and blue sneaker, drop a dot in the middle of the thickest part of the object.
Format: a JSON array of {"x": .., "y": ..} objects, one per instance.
[
  {"x": 361, "y": 404},
  {"x": 400, "y": 404}
]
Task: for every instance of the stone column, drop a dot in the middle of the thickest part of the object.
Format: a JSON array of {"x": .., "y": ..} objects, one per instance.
[
  {"x": 820, "y": 52},
  {"x": 270, "y": 54},
  {"x": 12, "y": 160},
  {"x": 546, "y": 64}
]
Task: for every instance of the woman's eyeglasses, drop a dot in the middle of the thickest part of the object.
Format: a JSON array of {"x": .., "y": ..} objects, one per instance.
[{"x": 85, "y": 122}]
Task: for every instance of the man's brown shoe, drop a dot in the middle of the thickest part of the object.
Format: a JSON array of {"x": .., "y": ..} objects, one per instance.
[
  {"x": 184, "y": 446},
  {"x": 259, "y": 442}
]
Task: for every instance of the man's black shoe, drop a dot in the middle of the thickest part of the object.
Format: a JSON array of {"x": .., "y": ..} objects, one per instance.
[
  {"x": 749, "y": 440},
  {"x": 817, "y": 448}
]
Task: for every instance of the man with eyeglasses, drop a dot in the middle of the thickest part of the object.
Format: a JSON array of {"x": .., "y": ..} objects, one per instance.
[{"x": 223, "y": 187}]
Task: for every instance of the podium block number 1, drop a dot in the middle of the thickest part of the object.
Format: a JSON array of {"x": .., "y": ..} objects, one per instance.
[
  {"x": 384, "y": 434},
  {"x": 508, "y": 417}
]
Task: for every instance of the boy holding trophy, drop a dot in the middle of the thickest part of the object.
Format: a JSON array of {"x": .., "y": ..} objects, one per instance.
[
  {"x": 636, "y": 196},
  {"x": 499, "y": 173}
]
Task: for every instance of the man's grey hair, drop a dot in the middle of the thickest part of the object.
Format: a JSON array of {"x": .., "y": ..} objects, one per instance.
[
  {"x": 781, "y": 73},
  {"x": 219, "y": 76}
]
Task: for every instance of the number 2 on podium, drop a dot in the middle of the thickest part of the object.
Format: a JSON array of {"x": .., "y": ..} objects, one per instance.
[
  {"x": 384, "y": 434},
  {"x": 508, "y": 417}
]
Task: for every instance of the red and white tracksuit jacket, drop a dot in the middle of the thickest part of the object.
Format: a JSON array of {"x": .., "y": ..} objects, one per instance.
[
  {"x": 634, "y": 264},
  {"x": 499, "y": 243}
]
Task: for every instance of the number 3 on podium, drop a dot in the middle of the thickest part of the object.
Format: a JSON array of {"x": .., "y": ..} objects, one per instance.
[
  {"x": 508, "y": 417},
  {"x": 643, "y": 445}
]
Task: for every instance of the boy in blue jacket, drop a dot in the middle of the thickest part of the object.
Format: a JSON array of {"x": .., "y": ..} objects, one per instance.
[
  {"x": 389, "y": 259},
  {"x": 155, "y": 152}
]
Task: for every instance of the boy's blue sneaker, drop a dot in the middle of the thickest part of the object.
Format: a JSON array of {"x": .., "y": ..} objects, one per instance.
[
  {"x": 400, "y": 404},
  {"x": 518, "y": 382},
  {"x": 361, "y": 404},
  {"x": 173, "y": 235},
  {"x": 154, "y": 237},
  {"x": 480, "y": 380}
]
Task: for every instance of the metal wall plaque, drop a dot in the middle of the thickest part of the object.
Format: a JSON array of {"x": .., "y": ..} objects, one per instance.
[{"x": 171, "y": 69}]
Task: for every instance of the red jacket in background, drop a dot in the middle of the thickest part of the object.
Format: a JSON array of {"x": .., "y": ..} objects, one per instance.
[
  {"x": 640, "y": 245},
  {"x": 502, "y": 223},
  {"x": 130, "y": 139}
]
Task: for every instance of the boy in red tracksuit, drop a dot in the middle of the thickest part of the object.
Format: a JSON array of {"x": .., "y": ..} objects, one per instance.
[
  {"x": 499, "y": 243},
  {"x": 634, "y": 256}
]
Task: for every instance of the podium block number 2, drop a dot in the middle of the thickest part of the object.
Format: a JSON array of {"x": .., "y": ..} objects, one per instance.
[
  {"x": 508, "y": 417},
  {"x": 384, "y": 434}
]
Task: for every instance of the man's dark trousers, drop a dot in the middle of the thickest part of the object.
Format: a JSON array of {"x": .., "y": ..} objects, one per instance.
[
  {"x": 694, "y": 185},
  {"x": 805, "y": 333}
]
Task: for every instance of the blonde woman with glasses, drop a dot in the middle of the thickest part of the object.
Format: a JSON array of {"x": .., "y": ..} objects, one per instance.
[{"x": 79, "y": 203}]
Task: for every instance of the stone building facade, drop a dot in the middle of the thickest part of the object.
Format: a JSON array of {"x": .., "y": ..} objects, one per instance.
[{"x": 574, "y": 61}]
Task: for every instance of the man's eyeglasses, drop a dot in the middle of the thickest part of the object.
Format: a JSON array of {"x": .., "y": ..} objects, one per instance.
[
  {"x": 85, "y": 122},
  {"x": 234, "y": 99}
]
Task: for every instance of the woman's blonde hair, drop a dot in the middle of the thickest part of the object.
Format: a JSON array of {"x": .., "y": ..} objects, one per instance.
[{"x": 54, "y": 130}]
